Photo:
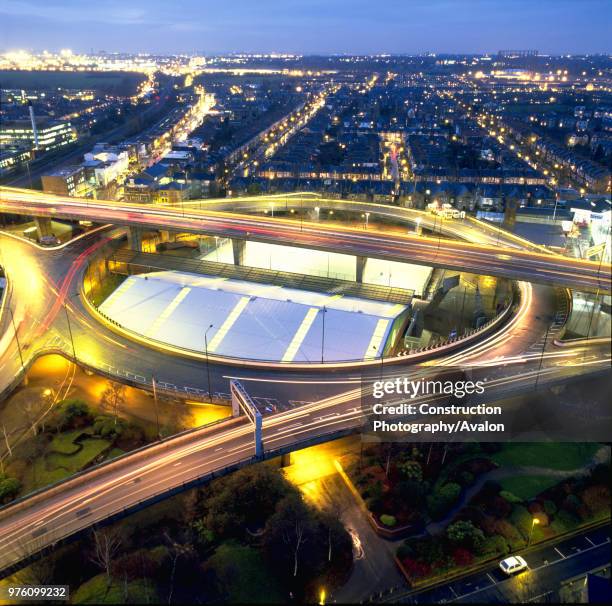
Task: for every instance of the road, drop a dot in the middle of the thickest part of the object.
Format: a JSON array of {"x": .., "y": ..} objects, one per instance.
[
  {"x": 487, "y": 259},
  {"x": 84, "y": 500},
  {"x": 549, "y": 566},
  {"x": 314, "y": 405}
]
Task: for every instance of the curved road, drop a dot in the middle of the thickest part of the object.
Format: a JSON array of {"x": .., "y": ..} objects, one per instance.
[
  {"x": 43, "y": 282},
  {"x": 513, "y": 263}
]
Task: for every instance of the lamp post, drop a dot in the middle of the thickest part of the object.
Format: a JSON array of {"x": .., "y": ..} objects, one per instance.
[
  {"x": 16, "y": 337},
  {"x": 154, "y": 384},
  {"x": 542, "y": 353},
  {"x": 324, "y": 311},
  {"x": 317, "y": 210},
  {"x": 534, "y": 522},
  {"x": 417, "y": 229},
  {"x": 367, "y": 216},
  {"x": 207, "y": 366},
  {"x": 70, "y": 331}
]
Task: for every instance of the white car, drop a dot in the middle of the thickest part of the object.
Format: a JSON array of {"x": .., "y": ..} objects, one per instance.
[{"x": 513, "y": 564}]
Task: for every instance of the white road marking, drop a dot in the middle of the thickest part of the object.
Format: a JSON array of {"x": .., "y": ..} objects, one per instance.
[{"x": 559, "y": 553}]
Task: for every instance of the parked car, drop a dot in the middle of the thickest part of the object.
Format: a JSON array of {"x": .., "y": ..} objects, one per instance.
[{"x": 513, "y": 564}]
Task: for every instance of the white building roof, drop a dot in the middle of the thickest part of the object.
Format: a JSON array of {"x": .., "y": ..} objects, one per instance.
[{"x": 252, "y": 321}]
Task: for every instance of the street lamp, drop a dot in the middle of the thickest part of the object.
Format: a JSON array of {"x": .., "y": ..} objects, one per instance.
[
  {"x": 324, "y": 311},
  {"x": 207, "y": 366},
  {"x": 534, "y": 522},
  {"x": 16, "y": 337},
  {"x": 367, "y": 216}
]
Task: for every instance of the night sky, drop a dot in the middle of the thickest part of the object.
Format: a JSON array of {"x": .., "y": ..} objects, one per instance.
[{"x": 307, "y": 26}]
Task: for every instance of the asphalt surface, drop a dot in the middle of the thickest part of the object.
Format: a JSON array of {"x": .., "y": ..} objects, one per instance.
[
  {"x": 43, "y": 282},
  {"x": 548, "y": 566},
  {"x": 451, "y": 254}
]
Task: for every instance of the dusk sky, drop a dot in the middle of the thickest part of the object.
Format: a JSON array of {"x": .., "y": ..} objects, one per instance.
[{"x": 307, "y": 26}]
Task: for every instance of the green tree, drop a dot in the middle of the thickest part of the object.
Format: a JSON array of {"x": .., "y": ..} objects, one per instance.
[
  {"x": 9, "y": 487},
  {"x": 411, "y": 470},
  {"x": 442, "y": 499},
  {"x": 259, "y": 487},
  {"x": 465, "y": 534}
]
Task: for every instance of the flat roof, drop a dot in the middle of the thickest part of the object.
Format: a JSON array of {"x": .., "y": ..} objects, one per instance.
[{"x": 251, "y": 321}]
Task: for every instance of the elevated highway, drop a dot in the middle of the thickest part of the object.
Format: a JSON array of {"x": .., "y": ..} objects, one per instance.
[
  {"x": 112, "y": 489},
  {"x": 488, "y": 259}
]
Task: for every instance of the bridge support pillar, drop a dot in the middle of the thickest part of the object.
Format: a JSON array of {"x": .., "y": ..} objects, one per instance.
[
  {"x": 243, "y": 403},
  {"x": 164, "y": 235},
  {"x": 43, "y": 227},
  {"x": 135, "y": 238},
  {"x": 286, "y": 460},
  {"x": 359, "y": 268},
  {"x": 238, "y": 248}
]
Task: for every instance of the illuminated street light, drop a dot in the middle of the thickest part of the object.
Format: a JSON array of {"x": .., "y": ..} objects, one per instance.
[
  {"x": 207, "y": 366},
  {"x": 534, "y": 522}
]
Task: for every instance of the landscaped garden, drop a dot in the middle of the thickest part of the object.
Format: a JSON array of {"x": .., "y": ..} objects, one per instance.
[
  {"x": 72, "y": 438},
  {"x": 506, "y": 515},
  {"x": 208, "y": 546},
  {"x": 405, "y": 486}
]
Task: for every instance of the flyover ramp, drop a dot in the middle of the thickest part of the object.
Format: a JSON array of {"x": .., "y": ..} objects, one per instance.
[{"x": 483, "y": 259}]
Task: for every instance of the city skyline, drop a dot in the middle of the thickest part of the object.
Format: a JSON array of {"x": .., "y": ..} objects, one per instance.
[{"x": 299, "y": 27}]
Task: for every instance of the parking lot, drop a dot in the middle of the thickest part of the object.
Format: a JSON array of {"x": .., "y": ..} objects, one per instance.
[{"x": 551, "y": 563}]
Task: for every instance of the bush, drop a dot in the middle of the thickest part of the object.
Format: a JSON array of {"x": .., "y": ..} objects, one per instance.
[
  {"x": 388, "y": 520},
  {"x": 550, "y": 508},
  {"x": 411, "y": 470},
  {"x": 521, "y": 519},
  {"x": 108, "y": 427},
  {"x": 9, "y": 487},
  {"x": 510, "y": 497},
  {"x": 494, "y": 545},
  {"x": 442, "y": 499},
  {"x": 462, "y": 556},
  {"x": 72, "y": 414},
  {"x": 466, "y": 478},
  {"x": 465, "y": 534}
]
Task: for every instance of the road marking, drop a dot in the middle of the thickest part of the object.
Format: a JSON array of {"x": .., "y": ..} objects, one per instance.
[
  {"x": 559, "y": 553},
  {"x": 177, "y": 464},
  {"x": 589, "y": 540},
  {"x": 454, "y": 592},
  {"x": 218, "y": 449},
  {"x": 491, "y": 579}
]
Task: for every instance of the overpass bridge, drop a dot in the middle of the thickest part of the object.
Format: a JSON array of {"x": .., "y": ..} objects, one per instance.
[
  {"x": 487, "y": 259},
  {"x": 114, "y": 489}
]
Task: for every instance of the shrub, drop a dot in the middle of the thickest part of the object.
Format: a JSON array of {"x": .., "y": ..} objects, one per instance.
[
  {"x": 411, "y": 470},
  {"x": 465, "y": 534},
  {"x": 388, "y": 520},
  {"x": 442, "y": 499},
  {"x": 550, "y": 508},
  {"x": 108, "y": 427},
  {"x": 596, "y": 498},
  {"x": 462, "y": 556},
  {"x": 71, "y": 414},
  {"x": 415, "y": 569},
  {"x": 466, "y": 478},
  {"x": 9, "y": 487},
  {"x": 521, "y": 519},
  {"x": 494, "y": 545},
  {"x": 510, "y": 497}
]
